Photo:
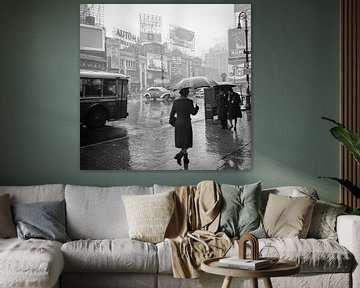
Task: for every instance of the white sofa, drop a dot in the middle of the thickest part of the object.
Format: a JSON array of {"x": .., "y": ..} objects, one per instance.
[{"x": 102, "y": 255}]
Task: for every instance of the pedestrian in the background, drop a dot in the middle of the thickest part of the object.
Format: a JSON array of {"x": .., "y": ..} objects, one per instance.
[
  {"x": 223, "y": 106},
  {"x": 234, "y": 108},
  {"x": 183, "y": 107}
]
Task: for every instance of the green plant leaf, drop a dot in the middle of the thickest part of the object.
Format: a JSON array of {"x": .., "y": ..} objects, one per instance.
[
  {"x": 348, "y": 138},
  {"x": 347, "y": 184}
]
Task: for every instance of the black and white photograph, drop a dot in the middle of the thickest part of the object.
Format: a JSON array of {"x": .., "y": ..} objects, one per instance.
[{"x": 165, "y": 87}]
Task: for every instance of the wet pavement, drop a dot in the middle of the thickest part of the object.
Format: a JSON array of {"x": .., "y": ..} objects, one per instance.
[{"x": 145, "y": 141}]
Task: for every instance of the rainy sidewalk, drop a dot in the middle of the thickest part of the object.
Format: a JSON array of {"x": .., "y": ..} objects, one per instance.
[
  {"x": 151, "y": 146},
  {"x": 218, "y": 149}
]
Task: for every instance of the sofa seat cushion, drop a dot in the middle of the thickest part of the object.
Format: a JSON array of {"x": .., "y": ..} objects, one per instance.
[
  {"x": 313, "y": 255},
  {"x": 30, "y": 263},
  {"x": 110, "y": 255}
]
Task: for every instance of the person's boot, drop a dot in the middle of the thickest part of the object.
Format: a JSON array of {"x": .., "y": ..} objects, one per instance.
[
  {"x": 178, "y": 157},
  {"x": 186, "y": 159}
]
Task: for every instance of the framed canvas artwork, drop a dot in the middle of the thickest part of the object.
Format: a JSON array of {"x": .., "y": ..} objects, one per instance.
[{"x": 165, "y": 87}]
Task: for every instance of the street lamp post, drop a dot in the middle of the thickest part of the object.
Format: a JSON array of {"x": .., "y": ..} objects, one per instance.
[
  {"x": 162, "y": 70},
  {"x": 243, "y": 16}
]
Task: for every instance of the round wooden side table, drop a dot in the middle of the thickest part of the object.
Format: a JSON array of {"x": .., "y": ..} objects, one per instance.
[{"x": 281, "y": 268}]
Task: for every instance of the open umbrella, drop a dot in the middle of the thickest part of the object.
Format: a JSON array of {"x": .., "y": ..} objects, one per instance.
[
  {"x": 194, "y": 82},
  {"x": 226, "y": 84}
]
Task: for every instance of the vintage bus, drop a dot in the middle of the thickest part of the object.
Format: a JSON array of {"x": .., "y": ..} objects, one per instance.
[{"x": 103, "y": 97}]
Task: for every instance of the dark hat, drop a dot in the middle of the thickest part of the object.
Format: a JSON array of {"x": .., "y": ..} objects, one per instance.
[{"x": 184, "y": 91}]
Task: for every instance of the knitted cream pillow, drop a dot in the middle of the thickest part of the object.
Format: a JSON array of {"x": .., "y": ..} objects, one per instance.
[{"x": 149, "y": 215}]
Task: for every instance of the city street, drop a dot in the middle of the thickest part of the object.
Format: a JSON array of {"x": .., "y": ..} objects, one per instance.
[{"x": 145, "y": 141}]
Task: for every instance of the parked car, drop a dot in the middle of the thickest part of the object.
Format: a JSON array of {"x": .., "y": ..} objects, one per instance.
[{"x": 158, "y": 93}]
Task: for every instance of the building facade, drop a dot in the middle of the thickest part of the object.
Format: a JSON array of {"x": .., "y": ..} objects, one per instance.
[
  {"x": 216, "y": 61},
  {"x": 152, "y": 63}
]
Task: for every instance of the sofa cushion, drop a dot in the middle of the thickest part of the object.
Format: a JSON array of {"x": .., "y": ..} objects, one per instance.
[
  {"x": 240, "y": 210},
  {"x": 148, "y": 215},
  {"x": 287, "y": 216},
  {"x": 7, "y": 226},
  {"x": 163, "y": 188},
  {"x": 313, "y": 255},
  {"x": 291, "y": 191},
  {"x": 98, "y": 213},
  {"x": 43, "y": 220},
  {"x": 323, "y": 222},
  {"x": 30, "y": 263},
  {"x": 117, "y": 255},
  {"x": 35, "y": 193}
]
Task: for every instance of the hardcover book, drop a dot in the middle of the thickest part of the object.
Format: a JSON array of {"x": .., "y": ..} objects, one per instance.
[{"x": 249, "y": 264}]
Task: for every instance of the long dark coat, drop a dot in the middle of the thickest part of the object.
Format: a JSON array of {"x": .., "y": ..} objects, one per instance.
[
  {"x": 183, "y": 108},
  {"x": 234, "y": 106}
]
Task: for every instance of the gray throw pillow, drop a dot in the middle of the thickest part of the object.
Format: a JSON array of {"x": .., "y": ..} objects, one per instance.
[
  {"x": 44, "y": 220},
  {"x": 240, "y": 213},
  {"x": 323, "y": 222}
]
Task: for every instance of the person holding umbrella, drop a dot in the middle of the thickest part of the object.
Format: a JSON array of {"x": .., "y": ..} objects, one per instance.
[
  {"x": 234, "y": 108},
  {"x": 183, "y": 107}
]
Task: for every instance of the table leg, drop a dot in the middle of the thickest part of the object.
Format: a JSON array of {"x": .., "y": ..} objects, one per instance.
[
  {"x": 267, "y": 283},
  {"x": 227, "y": 282},
  {"x": 254, "y": 282}
]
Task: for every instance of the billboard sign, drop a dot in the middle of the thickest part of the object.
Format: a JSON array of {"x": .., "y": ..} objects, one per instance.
[
  {"x": 156, "y": 62},
  {"x": 92, "y": 38},
  {"x": 237, "y": 72},
  {"x": 150, "y": 27},
  {"x": 182, "y": 37},
  {"x": 236, "y": 43}
]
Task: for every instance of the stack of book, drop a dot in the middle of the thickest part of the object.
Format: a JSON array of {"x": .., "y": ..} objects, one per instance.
[{"x": 248, "y": 264}]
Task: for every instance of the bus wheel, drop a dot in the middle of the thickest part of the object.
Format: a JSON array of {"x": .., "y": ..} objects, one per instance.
[{"x": 96, "y": 118}]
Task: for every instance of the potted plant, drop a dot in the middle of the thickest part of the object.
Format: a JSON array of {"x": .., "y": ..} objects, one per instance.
[{"x": 351, "y": 141}]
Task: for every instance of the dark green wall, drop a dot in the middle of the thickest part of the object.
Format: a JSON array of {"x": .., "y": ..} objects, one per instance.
[{"x": 295, "y": 82}]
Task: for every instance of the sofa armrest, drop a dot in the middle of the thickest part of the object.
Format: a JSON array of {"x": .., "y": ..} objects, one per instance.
[{"x": 348, "y": 230}]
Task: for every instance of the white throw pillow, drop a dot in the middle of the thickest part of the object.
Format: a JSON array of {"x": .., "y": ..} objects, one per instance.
[{"x": 149, "y": 215}]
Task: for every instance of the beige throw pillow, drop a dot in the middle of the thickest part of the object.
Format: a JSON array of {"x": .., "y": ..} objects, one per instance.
[
  {"x": 7, "y": 226},
  {"x": 288, "y": 217},
  {"x": 149, "y": 215}
]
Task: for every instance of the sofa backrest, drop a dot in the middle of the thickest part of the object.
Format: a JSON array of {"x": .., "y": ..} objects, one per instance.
[
  {"x": 293, "y": 191},
  {"x": 162, "y": 188},
  {"x": 35, "y": 193},
  {"x": 98, "y": 212}
]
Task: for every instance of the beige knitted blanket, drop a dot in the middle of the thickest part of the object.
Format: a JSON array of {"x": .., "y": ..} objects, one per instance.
[{"x": 191, "y": 231}]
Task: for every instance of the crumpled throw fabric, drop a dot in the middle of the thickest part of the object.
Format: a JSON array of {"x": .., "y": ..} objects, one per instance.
[{"x": 191, "y": 231}]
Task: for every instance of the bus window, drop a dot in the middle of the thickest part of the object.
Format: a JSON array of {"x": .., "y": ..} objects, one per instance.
[
  {"x": 92, "y": 87},
  {"x": 125, "y": 90},
  {"x": 109, "y": 87}
]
